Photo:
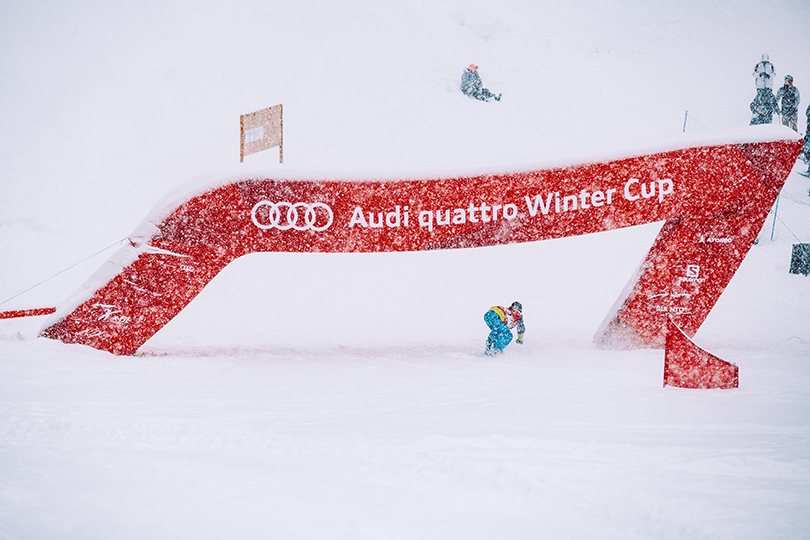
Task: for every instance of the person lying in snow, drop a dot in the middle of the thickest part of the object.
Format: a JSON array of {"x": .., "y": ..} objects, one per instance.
[
  {"x": 471, "y": 85},
  {"x": 500, "y": 321}
]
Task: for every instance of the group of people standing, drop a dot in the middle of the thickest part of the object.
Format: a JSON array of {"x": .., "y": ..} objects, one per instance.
[
  {"x": 766, "y": 104},
  {"x": 784, "y": 103}
]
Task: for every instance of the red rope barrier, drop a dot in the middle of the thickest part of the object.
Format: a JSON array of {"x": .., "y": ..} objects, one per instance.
[{"x": 27, "y": 313}]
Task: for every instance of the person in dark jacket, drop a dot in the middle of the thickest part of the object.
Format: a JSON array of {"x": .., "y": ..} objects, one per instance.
[
  {"x": 788, "y": 99},
  {"x": 500, "y": 321},
  {"x": 471, "y": 85},
  {"x": 806, "y": 147},
  {"x": 807, "y": 131},
  {"x": 763, "y": 107}
]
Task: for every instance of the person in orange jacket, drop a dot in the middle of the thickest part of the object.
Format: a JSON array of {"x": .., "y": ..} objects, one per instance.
[{"x": 500, "y": 321}]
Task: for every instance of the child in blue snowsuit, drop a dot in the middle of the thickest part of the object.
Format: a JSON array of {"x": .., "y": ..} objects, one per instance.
[{"x": 500, "y": 321}]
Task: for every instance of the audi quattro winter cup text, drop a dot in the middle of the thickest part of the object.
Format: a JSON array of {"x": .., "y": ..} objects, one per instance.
[{"x": 634, "y": 190}]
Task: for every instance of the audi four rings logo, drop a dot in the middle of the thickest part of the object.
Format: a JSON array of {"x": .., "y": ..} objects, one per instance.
[{"x": 286, "y": 215}]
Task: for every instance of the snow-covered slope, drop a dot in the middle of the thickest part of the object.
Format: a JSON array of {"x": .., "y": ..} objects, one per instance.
[{"x": 373, "y": 416}]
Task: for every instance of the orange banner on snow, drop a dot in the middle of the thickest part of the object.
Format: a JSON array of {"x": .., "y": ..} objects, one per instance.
[{"x": 261, "y": 130}]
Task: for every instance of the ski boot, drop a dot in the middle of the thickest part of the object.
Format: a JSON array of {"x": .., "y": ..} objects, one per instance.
[{"x": 492, "y": 351}]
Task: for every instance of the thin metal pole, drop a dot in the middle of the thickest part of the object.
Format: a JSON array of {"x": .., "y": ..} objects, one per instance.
[
  {"x": 776, "y": 209},
  {"x": 281, "y": 143},
  {"x": 684, "y": 120}
]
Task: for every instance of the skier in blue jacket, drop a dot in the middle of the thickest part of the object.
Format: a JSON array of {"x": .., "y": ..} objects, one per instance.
[
  {"x": 500, "y": 321},
  {"x": 472, "y": 86}
]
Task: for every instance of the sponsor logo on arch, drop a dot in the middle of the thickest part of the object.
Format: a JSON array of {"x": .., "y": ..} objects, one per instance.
[{"x": 298, "y": 216}]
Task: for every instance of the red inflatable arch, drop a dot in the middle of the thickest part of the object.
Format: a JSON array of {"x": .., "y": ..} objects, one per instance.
[{"x": 712, "y": 198}]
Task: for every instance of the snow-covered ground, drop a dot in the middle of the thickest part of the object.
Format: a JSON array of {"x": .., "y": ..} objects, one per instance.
[{"x": 374, "y": 415}]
